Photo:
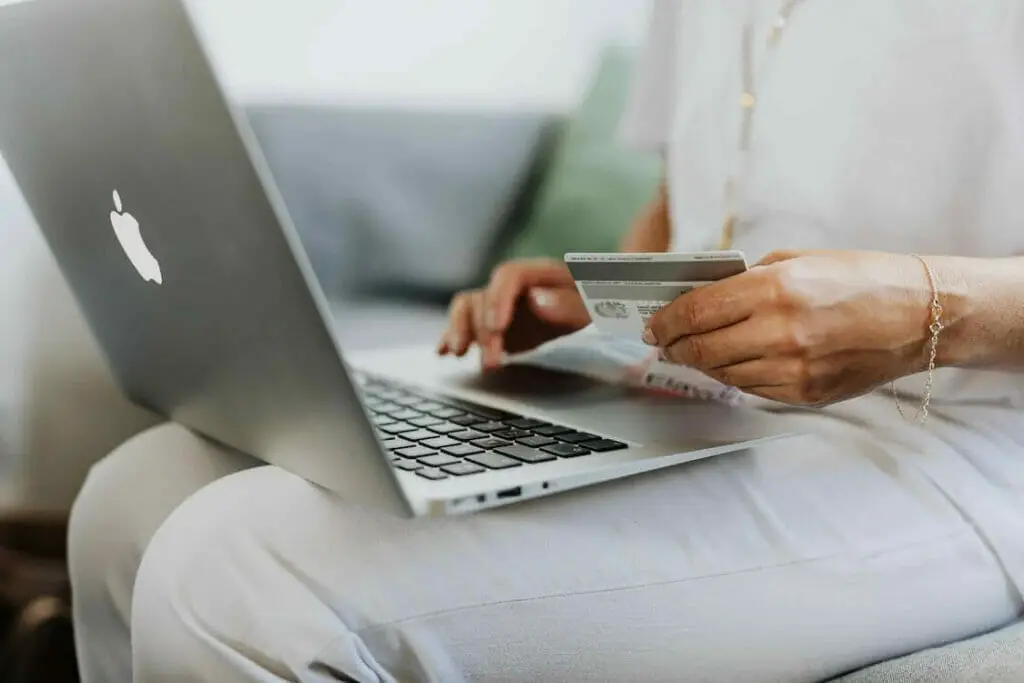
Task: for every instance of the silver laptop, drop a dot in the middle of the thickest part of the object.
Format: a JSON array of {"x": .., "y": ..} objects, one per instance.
[{"x": 165, "y": 221}]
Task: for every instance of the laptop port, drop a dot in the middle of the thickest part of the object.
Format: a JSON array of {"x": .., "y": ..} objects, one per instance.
[{"x": 510, "y": 493}]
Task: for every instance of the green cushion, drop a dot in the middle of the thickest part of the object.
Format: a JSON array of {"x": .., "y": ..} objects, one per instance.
[{"x": 595, "y": 186}]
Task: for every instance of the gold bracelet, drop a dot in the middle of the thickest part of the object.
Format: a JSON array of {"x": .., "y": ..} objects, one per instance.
[{"x": 935, "y": 328}]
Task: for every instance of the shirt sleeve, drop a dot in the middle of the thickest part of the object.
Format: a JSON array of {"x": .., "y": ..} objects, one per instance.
[{"x": 647, "y": 122}]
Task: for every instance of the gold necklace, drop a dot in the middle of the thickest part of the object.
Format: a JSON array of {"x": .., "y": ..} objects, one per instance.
[{"x": 748, "y": 105}]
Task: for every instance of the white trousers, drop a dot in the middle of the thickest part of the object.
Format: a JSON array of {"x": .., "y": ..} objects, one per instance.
[{"x": 796, "y": 562}]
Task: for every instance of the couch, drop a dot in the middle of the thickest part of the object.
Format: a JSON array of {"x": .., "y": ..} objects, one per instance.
[{"x": 398, "y": 209}]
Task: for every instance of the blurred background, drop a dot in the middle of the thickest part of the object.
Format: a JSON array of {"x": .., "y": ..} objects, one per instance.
[
  {"x": 493, "y": 54},
  {"x": 417, "y": 144}
]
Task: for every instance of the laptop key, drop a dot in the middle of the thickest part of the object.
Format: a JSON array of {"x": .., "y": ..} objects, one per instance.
[
  {"x": 488, "y": 427},
  {"x": 462, "y": 469},
  {"x": 419, "y": 435},
  {"x": 494, "y": 461},
  {"x": 439, "y": 460},
  {"x": 447, "y": 413},
  {"x": 427, "y": 406},
  {"x": 425, "y": 421},
  {"x": 525, "y": 423},
  {"x": 488, "y": 413},
  {"x": 416, "y": 452},
  {"x": 387, "y": 408},
  {"x": 445, "y": 428},
  {"x": 603, "y": 445},
  {"x": 432, "y": 474},
  {"x": 408, "y": 465},
  {"x": 551, "y": 430},
  {"x": 440, "y": 442},
  {"x": 396, "y": 443},
  {"x": 525, "y": 454},
  {"x": 537, "y": 441},
  {"x": 490, "y": 443},
  {"x": 408, "y": 400},
  {"x": 575, "y": 437},
  {"x": 467, "y": 435},
  {"x": 405, "y": 414},
  {"x": 381, "y": 420},
  {"x": 512, "y": 434},
  {"x": 397, "y": 428},
  {"x": 566, "y": 450},
  {"x": 467, "y": 420},
  {"x": 463, "y": 449}
]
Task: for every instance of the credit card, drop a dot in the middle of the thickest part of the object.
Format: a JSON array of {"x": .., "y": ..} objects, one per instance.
[{"x": 623, "y": 291}]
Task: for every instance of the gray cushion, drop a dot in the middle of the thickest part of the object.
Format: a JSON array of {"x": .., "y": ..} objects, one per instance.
[{"x": 398, "y": 199}]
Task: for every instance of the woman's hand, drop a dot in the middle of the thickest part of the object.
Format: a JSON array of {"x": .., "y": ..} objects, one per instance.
[
  {"x": 526, "y": 304},
  {"x": 804, "y": 328}
]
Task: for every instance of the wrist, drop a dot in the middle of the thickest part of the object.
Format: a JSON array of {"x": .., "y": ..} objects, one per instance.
[{"x": 962, "y": 294}]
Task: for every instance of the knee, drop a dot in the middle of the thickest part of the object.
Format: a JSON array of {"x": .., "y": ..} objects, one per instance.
[
  {"x": 125, "y": 499},
  {"x": 105, "y": 536},
  {"x": 204, "y": 574}
]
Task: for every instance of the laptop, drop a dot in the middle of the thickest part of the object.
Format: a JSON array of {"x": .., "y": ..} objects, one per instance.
[{"x": 165, "y": 221}]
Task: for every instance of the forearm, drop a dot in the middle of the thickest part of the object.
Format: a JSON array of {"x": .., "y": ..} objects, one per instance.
[
  {"x": 983, "y": 310},
  {"x": 652, "y": 231}
]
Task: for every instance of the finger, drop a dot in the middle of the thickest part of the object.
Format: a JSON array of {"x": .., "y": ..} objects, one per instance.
[
  {"x": 757, "y": 337},
  {"x": 786, "y": 393},
  {"x": 562, "y": 307},
  {"x": 708, "y": 308},
  {"x": 492, "y": 344},
  {"x": 460, "y": 327},
  {"x": 512, "y": 280},
  {"x": 759, "y": 374}
]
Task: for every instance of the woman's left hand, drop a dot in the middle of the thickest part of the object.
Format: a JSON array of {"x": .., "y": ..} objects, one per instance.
[{"x": 804, "y": 328}]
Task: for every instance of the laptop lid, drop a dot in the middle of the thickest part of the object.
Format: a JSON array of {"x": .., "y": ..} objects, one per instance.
[{"x": 163, "y": 218}]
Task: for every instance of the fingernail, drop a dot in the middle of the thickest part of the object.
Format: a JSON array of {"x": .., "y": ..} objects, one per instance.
[
  {"x": 543, "y": 299},
  {"x": 649, "y": 337}
]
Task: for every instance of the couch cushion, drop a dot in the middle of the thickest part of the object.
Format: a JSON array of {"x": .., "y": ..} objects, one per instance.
[
  {"x": 398, "y": 199},
  {"x": 595, "y": 186}
]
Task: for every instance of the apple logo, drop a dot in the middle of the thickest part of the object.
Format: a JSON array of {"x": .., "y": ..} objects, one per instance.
[{"x": 127, "y": 230}]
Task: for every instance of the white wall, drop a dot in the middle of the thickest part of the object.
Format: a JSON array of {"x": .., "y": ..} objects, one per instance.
[{"x": 492, "y": 53}]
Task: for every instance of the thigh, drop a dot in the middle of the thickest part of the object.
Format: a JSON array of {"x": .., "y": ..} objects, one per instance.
[{"x": 799, "y": 561}]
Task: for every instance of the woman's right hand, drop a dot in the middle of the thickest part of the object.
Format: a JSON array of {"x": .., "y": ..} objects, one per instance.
[{"x": 526, "y": 304}]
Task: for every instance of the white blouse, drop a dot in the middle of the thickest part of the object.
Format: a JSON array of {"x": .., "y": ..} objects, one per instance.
[{"x": 883, "y": 125}]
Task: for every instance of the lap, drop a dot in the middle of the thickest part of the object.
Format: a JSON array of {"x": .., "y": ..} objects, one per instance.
[{"x": 815, "y": 556}]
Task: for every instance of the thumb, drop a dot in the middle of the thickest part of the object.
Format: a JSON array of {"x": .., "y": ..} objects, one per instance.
[
  {"x": 559, "y": 306},
  {"x": 781, "y": 255}
]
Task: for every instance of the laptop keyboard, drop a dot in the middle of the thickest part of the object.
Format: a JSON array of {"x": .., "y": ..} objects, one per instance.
[{"x": 440, "y": 438}]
